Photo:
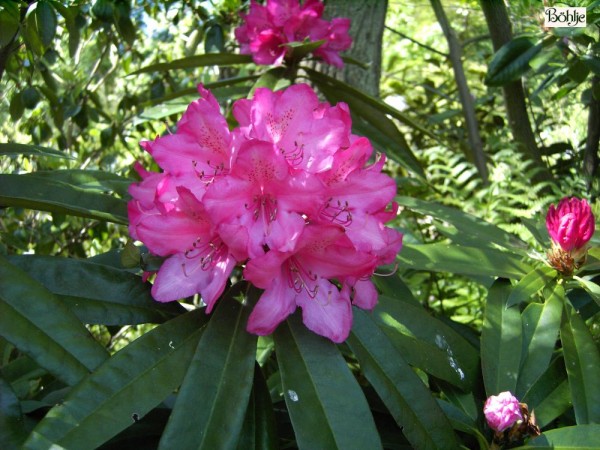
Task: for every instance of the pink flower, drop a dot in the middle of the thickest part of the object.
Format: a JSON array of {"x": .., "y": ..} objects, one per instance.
[
  {"x": 268, "y": 29},
  {"x": 289, "y": 194},
  {"x": 570, "y": 224},
  {"x": 502, "y": 411}
]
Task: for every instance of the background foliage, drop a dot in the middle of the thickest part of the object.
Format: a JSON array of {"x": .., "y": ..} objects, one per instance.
[{"x": 89, "y": 359}]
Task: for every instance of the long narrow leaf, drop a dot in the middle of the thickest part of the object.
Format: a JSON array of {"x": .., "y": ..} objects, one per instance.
[
  {"x": 327, "y": 407},
  {"x": 477, "y": 229},
  {"x": 584, "y": 437},
  {"x": 406, "y": 397},
  {"x": 12, "y": 429},
  {"x": 541, "y": 323},
  {"x": 500, "y": 341},
  {"x": 459, "y": 361},
  {"x": 12, "y": 149},
  {"x": 217, "y": 384},
  {"x": 210, "y": 59},
  {"x": 441, "y": 257},
  {"x": 582, "y": 360},
  {"x": 96, "y": 293},
  {"x": 29, "y": 191},
  {"x": 124, "y": 388},
  {"x": 530, "y": 284},
  {"x": 92, "y": 180},
  {"x": 39, "y": 325}
]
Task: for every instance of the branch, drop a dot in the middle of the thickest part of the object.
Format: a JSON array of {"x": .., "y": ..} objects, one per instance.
[
  {"x": 420, "y": 44},
  {"x": 464, "y": 94}
]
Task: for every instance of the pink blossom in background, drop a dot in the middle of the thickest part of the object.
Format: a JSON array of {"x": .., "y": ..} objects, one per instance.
[
  {"x": 502, "y": 411},
  {"x": 267, "y": 29},
  {"x": 570, "y": 224},
  {"x": 289, "y": 195}
]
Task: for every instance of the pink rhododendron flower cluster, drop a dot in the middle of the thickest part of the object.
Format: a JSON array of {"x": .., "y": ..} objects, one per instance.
[
  {"x": 287, "y": 194},
  {"x": 268, "y": 29},
  {"x": 570, "y": 225},
  {"x": 502, "y": 411}
]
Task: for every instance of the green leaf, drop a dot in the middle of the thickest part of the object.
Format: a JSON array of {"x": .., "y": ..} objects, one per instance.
[
  {"x": 592, "y": 288},
  {"x": 511, "y": 61},
  {"x": 214, "y": 39},
  {"x": 95, "y": 293},
  {"x": 406, "y": 397},
  {"x": 582, "y": 360},
  {"x": 259, "y": 430},
  {"x": 92, "y": 180},
  {"x": 478, "y": 230},
  {"x": 326, "y": 405},
  {"x": 123, "y": 23},
  {"x": 462, "y": 422},
  {"x": 43, "y": 193},
  {"x": 501, "y": 341},
  {"x": 541, "y": 323},
  {"x": 127, "y": 386},
  {"x": 212, "y": 59},
  {"x": 301, "y": 49},
  {"x": 12, "y": 430},
  {"x": 16, "y": 107},
  {"x": 441, "y": 257},
  {"x": 580, "y": 437},
  {"x": 374, "y": 112},
  {"x": 11, "y": 149},
  {"x": 217, "y": 384},
  {"x": 9, "y": 22},
  {"x": 46, "y": 22},
  {"x": 428, "y": 343},
  {"x": 530, "y": 284},
  {"x": 549, "y": 397},
  {"x": 592, "y": 62},
  {"x": 39, "y": 325}
]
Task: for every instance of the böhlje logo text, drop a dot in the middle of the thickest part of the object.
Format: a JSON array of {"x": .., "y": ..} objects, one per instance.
[{"x": 564, "y": 17}]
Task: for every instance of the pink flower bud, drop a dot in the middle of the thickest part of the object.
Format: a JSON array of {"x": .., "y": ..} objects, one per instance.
[
  {"x": 570, "y": 224},
  {"x": 502, "y": 411}
]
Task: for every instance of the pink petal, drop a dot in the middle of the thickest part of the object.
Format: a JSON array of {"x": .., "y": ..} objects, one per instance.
[
  {"x": 273, "y": 307},
  {"x": 328, "y": 314},
  {"x": 365, "y": 294}
]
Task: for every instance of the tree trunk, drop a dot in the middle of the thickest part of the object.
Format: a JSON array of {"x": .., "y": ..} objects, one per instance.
[
  {"x": 464, "y": 94},
  {"x": 590, "y": 155},
  {"x": 499, "y": 25},
  {"x": 368, "y": 20}
]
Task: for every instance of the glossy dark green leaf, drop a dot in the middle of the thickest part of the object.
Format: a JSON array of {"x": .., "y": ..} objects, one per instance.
[
  {"x": 592, "y": 288},
  {"x": 96, "y": 293},
  {"x": 124, "y": 25},
  {"x": 301, "y": 49},
  {"x": 593, "y": 62},
  {"x": 511, "y": 61},
  {"x": 45, "y": 19},
  {"x": 462, "y": 422},
  {"x": 441, "y": 257},
  {"x": 30, "y": 97},
  {"x": 530, "y": 284},
  {"x": 9, "y": 22},
  {"x": 583, "y": 437},
  {"x": 406, "y": 397},
  {"x": 556, "y": 403},
  {"x": 428, "y": 343},
  {"x": 212, "y": 59},
  {"x": 326, "y": 405},
  {"x": 259, "y": 429},
  {"x": 370, "y": 113},
  {"x": 541, "y": 323},
  {"x": 35, "y": 321},
  {"x": 479, "y": 231},
  {"x": 214, "y": 41},
  {"x": 127, "y": 386},
  {"x": 46, "y": 194},
  {"x": 217, "y": 384},
  {"x": 501, "y": 341},
  {"x": 92, "y": 180},
  {"x": 11, "y": 149},
  {"x": 16, "y": 107},
  {"x": 582, "y": 360},
  {"x": 370, "y": 100},
  {"x": 12, "y": 429},
  {"x": 268, "y": 79}
]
